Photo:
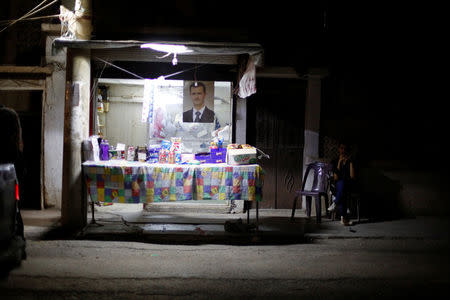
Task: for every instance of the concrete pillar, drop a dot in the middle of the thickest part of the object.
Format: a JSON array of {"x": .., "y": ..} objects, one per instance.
[
  {"x": 53, "y": 119},
  {"x": 76, "y": 129},
  {"x": 76, "y": 122},
  {"x": 312, "y": 119}
]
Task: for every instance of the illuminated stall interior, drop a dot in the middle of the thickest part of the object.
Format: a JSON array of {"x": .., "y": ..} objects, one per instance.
[
  {"x": 139, "y": 95},
  {"x": 139, "y": 112}
]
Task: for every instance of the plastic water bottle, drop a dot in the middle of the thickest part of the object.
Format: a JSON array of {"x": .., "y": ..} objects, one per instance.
[{"x": 104, "y": 150}]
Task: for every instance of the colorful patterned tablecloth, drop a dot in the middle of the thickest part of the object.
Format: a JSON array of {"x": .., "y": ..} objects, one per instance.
[{"x": 120, "y": 181}]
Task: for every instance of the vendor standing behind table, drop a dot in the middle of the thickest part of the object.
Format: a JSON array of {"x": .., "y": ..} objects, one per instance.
[{"x": 199, "y": 112}]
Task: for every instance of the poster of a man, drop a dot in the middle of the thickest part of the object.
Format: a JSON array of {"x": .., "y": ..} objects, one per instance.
[{"x": 198, "y": 101}]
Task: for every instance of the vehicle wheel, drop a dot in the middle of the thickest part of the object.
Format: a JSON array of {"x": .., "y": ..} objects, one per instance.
[{"x": 20, "y": 253}]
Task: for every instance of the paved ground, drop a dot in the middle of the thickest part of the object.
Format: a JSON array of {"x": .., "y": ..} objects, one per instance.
[
  {"x": 371, "y": 260},
  {"x": 131, "y": 222}
]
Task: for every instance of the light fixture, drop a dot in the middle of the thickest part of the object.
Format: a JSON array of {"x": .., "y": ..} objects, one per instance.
[{"x": 169, "y": 49}]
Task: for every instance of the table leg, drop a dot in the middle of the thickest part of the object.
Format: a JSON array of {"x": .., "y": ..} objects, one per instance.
[
  {"x": 93, "y": 222},
  {"x": 257, "y": 215},
  {"x": 248, "y": 211},
  {"x": 92, "y": 213}
]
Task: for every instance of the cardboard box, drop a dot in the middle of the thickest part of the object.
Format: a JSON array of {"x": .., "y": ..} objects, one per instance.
[{"x": 241, "y": 156}]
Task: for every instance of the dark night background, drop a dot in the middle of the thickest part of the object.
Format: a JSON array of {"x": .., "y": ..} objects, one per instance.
[
  {"x": 376, "y": 53},
  {"x": 382, "y": 91},
  {"x": 382, "y": 56}
]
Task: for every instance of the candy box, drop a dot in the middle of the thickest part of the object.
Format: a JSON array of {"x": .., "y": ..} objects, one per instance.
[
  {"x": 218, "y": 155},
  {"x": 241, "y": 156},
  {"x": 202, "y": 157}
]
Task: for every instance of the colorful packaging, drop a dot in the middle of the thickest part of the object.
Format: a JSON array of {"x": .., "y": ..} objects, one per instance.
[
  {"x": 186, "y": 157},
  {"x": 130, "y": 153},
  {"x": 104, "y": 150},
  {"x": 234, "y": 146},
  {"x": 163, "y": 155},
  {"x": 171, "y": 157},
  {"x": 165, "y": 144},
  {"x": 218, "y": 156},
  {"x": 141, "y": 153},
  {"x": 202, "y": 157},
  {"x": 176, "y": 148},
  {"x": 241, "y": 156},
  {"x": 153, "y": 153}
]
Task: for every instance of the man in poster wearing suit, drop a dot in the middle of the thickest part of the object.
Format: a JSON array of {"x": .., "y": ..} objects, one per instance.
[{"x": 200, "y": 112}]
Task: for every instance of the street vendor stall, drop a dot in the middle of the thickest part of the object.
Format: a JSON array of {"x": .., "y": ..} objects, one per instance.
[
  {"x": 198, "y": 163},
  {"x": 119, "y": 181},
  {"x": 137, "y": 182},
  {"x": 134, "y": 107},
  {"x": 165, "y": 140}
]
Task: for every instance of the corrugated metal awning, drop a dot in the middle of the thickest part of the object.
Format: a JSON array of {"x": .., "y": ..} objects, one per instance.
[{"x": 130, "y": 50}]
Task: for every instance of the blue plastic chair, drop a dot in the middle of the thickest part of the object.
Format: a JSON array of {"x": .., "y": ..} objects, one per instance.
[{"x": 321, "y": 173}]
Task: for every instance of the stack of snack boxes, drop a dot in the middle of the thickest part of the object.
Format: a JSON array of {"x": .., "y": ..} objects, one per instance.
[
  {"x": 218, "y": 154},
  {"x": 170, "y": 151}
]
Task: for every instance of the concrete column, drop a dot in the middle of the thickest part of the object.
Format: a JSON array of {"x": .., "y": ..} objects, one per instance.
[
  {"x": 76, "y": 129},
  {"x": 312, "y": 119},
  {"x": 53, "y": 119},
  {"x": 76, "y": 122}
]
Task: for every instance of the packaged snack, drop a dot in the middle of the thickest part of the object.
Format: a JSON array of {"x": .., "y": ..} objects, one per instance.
[
  {"x": 153, "y": 153},
  {"x": 185, "y": 157},
  {"x": 171, "y": 157},
  {"x": 234, "y": 146},
  {"x": 166, "y": 145},
  {"x": 162, "y": 157},
  {"x": 141, "y": 154}
]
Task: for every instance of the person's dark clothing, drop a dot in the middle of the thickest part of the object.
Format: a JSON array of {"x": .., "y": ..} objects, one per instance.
[
  {"x": 342, "y": 185},
  {"x": 207, "y": 116},
  {"x": 343, "y": 173}
]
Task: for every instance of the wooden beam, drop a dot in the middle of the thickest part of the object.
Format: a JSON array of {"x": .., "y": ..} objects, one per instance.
[
  {"x": 22, "y": 84},
  {"x": 51, "y": 28},
  {"x": 277, "y": 72},
  {"x": 26, "y": 70}
]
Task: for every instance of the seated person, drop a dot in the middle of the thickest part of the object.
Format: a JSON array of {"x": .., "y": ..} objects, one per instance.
[{"x": 343, "y": 176}]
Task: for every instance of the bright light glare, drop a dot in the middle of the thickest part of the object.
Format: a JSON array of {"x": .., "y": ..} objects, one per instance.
[{"x": 167, "y": 48}]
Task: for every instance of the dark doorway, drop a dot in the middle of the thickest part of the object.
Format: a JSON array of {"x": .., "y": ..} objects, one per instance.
[
  {"x": 28, "y": 105},
  {"x": 275, "y": 125}
]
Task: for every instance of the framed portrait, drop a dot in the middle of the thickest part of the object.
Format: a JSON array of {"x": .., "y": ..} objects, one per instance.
[{"x": 198, "y": 101}]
